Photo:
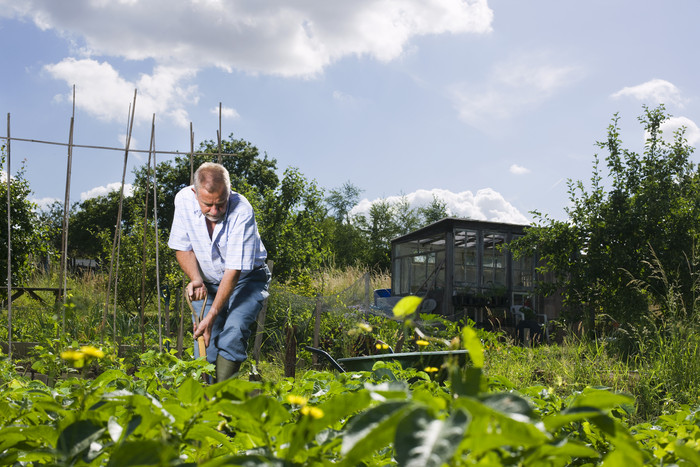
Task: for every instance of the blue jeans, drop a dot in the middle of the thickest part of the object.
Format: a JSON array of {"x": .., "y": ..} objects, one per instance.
[{"x": 232, "y": 327}]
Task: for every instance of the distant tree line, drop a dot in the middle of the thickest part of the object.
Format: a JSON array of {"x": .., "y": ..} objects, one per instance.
[
  {"x": 627, "y": 248},
  {"x": 302, "y": 226}
]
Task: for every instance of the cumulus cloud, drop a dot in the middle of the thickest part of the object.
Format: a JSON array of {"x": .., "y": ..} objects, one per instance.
[
  {"x": 103, "y": 92},
  {"x": 673, "y": 124},
  {"x": 279, "y": 37},
  {"x": 486, "y": 204},
  {"x": 226, "y": 112},
  {"x": 44, "y": 203},
  {"x": 282, "y": 37},
  {"x": 519, "y": 170},
  {"x": 104, "y": 190},
  {"x": 656, "y": 91},
  {"x": 512, "y": 87}
]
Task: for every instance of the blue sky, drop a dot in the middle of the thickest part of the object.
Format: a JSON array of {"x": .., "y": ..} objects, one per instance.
[{"x": 491, "y": 106}]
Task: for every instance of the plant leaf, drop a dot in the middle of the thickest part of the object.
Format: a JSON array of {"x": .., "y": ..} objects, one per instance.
[
  {"x": 407, "y": 306},
  {"x": 423, "y": 441}
]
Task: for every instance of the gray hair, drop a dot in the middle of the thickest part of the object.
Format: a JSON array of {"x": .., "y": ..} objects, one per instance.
[{"x": 211, "y": 176}]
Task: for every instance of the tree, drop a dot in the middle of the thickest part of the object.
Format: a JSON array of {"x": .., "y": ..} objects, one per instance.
[
  {"x": 342, "y": 200},
  {"x": 290, "y": 220},
  {"x": 433, "y": 212},
  {"x": 379, "y": 227},
  {"x": 243, "y": 161},
  {"x": 28, "y": 236},
  {"x": 612, "y": 236},
  {"x": 94, "y": 216}
]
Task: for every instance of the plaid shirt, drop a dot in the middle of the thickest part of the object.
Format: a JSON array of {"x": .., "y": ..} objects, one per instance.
[{"x": 234, "y": 244}]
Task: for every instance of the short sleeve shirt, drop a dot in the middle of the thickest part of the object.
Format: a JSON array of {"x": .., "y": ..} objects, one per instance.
[{"x": 235, "y": 242}]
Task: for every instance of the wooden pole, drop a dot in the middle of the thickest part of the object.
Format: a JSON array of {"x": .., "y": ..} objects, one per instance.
[
  {"x": 260, "y": 327},
  {"x": 117, "y": 231},
  {"x": 9, "y": 248},
  {"x": 66, "y": 211},
  {"x": 191, "y": 154},
  {"x": 317, "y": 329},
  {"x": 142, "y": 302},
  {"x": 155, "y": 226},
  {"x": 218, "y": 134}
]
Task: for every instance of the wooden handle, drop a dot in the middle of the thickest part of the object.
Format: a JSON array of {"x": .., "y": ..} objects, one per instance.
[{"x": 197, "y": 318}]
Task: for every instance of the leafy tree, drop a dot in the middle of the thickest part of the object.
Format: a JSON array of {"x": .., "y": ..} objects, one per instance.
[
  {"x": 94, "y": 216},
  {"x": 433, "y": 212},
  {"x": 290, "y": 220},
  {"x": 243, "y": 161},
  {"x": 342, "y": 200},
  {"x": 28, "y": 235},
  {"x": 379, "y": 227},
  {"x": 612, "y": 236},
  {"x": 406, "y": 218}
]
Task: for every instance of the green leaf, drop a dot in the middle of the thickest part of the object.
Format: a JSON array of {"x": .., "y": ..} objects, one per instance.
[
  {"x": 134, "y": 453},
  {"x": 601, "y": 399},
  {"x": 466, "y": 382},
  {"x": 407, "y": 306},
  {"x": 423, "y": 441},
  {"x": 371, "y": 430},
  {"x": 76, "y": 438},
  {"x": 190, "y": 391},
  {"x": 248, "y": 461},
  {"x": 472, "y": 343}
]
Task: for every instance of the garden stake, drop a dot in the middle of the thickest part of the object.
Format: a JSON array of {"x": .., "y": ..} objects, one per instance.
[{"x": 197, "y": 319}]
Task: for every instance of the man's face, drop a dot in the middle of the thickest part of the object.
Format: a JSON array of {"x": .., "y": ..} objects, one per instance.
[{"x": 213, "y": 203}]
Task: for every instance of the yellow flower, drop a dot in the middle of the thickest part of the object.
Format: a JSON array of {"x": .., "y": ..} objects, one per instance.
[
  {"x": 381, "y": 346},
  {"x": 297, "y": 400},
  {"x": 72, "y": 355},
  {"x": 91, "y": 351},
  {"x": 430, "y": 369},
  {"x": 365, "y": 327},
  {"x": 422, "y": 342},
  {"x": 313, "y": 412}
]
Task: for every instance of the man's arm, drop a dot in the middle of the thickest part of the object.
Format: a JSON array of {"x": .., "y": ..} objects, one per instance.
[
  {"x": 188, "y": 262},
  {"x": 226, "y": 286}
]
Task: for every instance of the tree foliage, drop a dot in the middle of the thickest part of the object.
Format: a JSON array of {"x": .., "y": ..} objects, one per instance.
[
  {"x": 27, "y": 234},
  {"x": 614, "y": 233}
]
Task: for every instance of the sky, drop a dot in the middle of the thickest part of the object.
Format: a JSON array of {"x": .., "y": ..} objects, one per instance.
[{"x": 491, "y": 106}]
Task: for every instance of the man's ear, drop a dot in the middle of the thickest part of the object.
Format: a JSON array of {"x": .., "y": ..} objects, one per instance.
[{"x": 193, "y": 190}]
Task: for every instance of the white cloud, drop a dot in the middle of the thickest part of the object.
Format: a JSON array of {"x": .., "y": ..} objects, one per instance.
[
  {"x": 656, "y": 91},
  {"x": 283, "y": 37},
  {"x": 102, "y": 92},
  {"x": 226, "y": 112},
  {"x": 519, "y": 170},
  {"x": 44, "y": 203},
  {"x": 512, "y": 87},
  {"x": 103, "y": 190},
  {"x": 692, "y": 132},
  {"x": 486, "y": 204}
]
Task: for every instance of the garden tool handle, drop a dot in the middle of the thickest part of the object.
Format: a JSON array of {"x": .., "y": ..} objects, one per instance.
[{"x": 197, "y": 318}]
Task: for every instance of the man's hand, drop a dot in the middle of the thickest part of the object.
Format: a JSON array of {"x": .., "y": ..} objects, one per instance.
[
  {"x": 196, "y": 290},
  {"x": 204, "y": 328}
]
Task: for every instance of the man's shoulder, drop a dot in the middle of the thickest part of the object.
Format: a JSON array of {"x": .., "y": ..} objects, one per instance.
[{"x": 186, "y": 193}]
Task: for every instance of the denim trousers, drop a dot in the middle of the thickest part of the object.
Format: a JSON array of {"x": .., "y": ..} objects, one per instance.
[{"x": 232, "y": 327}]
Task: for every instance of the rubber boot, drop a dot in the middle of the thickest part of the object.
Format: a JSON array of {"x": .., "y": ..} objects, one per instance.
[{"x": 225, "y": 368}]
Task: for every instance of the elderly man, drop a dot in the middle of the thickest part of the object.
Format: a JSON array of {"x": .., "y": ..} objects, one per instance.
[{"x": 217, "y": 244}]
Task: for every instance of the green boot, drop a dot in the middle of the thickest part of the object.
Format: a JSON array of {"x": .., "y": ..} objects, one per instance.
[{"x": 225, "y": 368}]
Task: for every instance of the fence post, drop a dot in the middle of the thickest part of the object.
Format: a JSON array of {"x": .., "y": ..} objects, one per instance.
[
  {"x": 260, "y": 323},
  {"x": 317, "y": 330},
  {"x": 367, "y": 300}
]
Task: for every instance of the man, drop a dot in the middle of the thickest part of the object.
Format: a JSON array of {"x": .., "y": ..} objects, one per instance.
[{"x": 217, "y": 244}]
